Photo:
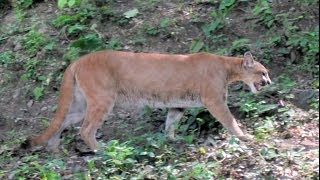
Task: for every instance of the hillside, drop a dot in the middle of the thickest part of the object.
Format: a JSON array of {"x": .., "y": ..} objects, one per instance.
[{"x": 39, "y": 39}]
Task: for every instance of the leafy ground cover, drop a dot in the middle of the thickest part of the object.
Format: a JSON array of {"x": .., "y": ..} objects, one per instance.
[{"x": 39, "y": 39}]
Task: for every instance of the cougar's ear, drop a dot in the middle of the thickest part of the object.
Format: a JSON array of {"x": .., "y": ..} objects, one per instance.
[{"x": 248, "y": 60}]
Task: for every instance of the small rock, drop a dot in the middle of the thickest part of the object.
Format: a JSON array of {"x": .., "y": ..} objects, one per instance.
[
  {"x": 126, "y": 47},
  {"x": 293, "y": 56},
  {"x": 18, "y": 119},
  {"x": 17, "y": 47},
  {"x": 122, "y": 115},
  {"x": 16, "y": 93},
  {"x": 309, "y": 144},
  {"x": 281, "y": 102},
  {"x": 210, "y": 141},
  {"x": 99, "y": 135},
  {"x": 44, "y": 108},
  {"x": 303, "y": 97},
  {"x": 30, "y": 103}
]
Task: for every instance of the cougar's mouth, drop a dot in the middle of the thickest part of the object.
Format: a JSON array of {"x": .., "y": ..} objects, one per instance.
[
  {"x": 258, "y": 86},
  {"x": 253, "y": 88}
]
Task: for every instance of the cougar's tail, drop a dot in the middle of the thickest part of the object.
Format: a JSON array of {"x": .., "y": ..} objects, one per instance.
[{"x": 64, "y": 102}]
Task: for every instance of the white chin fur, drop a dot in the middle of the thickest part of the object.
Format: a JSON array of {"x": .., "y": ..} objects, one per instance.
[{"x": 253, "y": 88}]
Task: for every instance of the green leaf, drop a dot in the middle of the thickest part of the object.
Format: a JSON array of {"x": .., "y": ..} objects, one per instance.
[
  {"x": 208, "y": 28},
  {"x": 6, "y": 57},
  {"x": 62, "y": 3},
  {"x": 76, "y": 27},
  {"x": 131, "y": 13},
  {"x": 38, "y": 92},
  {"x": 42, "y": 78},
  {"x": 71, "y": 3},
  {"x": 189, "y": 139},
  {"x": 143, "y": 153},
  {"x": 267, "y": 107},
  {"x": 90, "y": 164},
  {"x": 214, "y": 14},
  {"x": 226, "y": 3},
  {"x": 196, "y": 46},
  {"x": 151, "y": 154},
  {"x": 90, "y": 42},
  {"x": 117, "y": 162},
  {"x": 233, "y": 140},
  {"x": 165, "y": 22},
  {"x": 49, "y": 46},
  {"x": 315, "y": 83},
  {"x": 114, "y": 43},
  {"x": 64, "y": 19},
  {"x": 240, "y": 44},
  {"x": 147, "y": 110},
  {"x": 49, "y": 174}
]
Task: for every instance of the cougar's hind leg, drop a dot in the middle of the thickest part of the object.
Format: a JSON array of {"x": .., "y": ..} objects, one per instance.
[
  {"x": 54, "y": 141},
  {"x": 174, "y": 115},
  {"x": 99, "y": 90},
  {"x": 75, "y": 115},
  {"x": 96, "y": 111}
]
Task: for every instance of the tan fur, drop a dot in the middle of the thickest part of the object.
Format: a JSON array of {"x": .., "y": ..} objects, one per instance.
[{"x": 98, "y": 81}]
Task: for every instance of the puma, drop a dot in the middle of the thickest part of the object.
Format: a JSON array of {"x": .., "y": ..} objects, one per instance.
[{"x": 97, "y": 82}]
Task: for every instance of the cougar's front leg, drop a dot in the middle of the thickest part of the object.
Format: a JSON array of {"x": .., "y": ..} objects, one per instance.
[
  {"x": 217, "y": 106},
  {"x": 174, "y": 115}
]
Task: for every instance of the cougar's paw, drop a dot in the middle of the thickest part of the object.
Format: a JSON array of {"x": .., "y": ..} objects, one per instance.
[
  {"x": 171, "y": 137},
  {"x": 246, "y": 138},
  {"x": 53, "y": 149},
  {"x": 83, "y": 150}
]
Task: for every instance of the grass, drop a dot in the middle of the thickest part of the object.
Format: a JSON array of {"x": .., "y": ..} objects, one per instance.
[
  {"x": 151, "y": 156},
  {"x": 6, "y": 58},
  {"x": 219, "y": 17},
  {"x": 205, "y": 150},
  {"x": 264, "y": 12},
  {"x": 33, "y": 41}
]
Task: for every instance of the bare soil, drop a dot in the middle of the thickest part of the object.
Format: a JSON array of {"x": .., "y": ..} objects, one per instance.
[{"x": 21, "y": 114}]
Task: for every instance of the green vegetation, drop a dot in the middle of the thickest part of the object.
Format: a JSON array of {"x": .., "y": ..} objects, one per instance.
[
  {"x": 240, "y": 45},
  {"x": 219, "y": 16},
  {"x": 264, "y": 12},
  {"x": 196, "y": 46},
  {"x": 70, "y": 3},
  {"x": 147, "y": 5},
  {"x": 6, "y": 58},
  {"x": 33, "y": 41},
  {"x": 307, "y": 43},
  {"x": 19, "y": 7},
  {"x": 39, "y": 39}
]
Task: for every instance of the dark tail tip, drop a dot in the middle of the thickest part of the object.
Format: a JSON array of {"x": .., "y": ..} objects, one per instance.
[{"x": 26, "y": 144}]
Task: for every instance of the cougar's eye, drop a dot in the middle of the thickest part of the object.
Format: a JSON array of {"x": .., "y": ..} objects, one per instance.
[{"x": 264, "y": 74}]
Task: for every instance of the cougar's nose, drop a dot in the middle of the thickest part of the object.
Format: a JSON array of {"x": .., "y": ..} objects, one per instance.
[
  {"x": 264, "y": 83},
  {"x": 269, "y": 81},
  {"x": 266, "y": 80}
]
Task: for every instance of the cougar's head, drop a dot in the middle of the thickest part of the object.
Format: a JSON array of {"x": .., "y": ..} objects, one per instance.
[{"x": 255, "y": 75}]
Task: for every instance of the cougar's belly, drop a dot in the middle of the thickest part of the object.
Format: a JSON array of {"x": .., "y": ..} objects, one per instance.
[{"x": 156, "y": 101}]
